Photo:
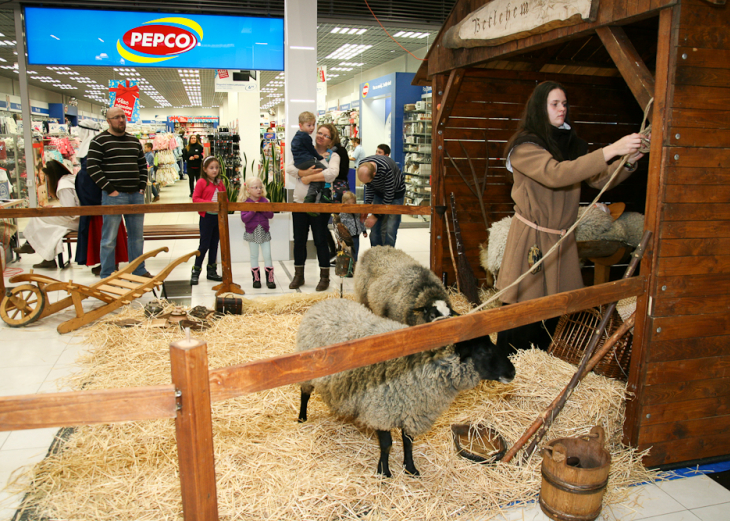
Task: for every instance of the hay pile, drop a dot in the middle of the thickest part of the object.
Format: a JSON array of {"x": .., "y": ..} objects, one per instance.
[{"x": 270, "y": 467}]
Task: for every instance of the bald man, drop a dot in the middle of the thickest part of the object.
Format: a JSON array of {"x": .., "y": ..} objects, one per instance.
[
  {"x": 384, "y": 184},
  {"x": 117, "y": 165}
]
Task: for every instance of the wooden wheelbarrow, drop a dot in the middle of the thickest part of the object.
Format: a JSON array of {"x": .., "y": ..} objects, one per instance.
[{"x": 24, "y": 304}]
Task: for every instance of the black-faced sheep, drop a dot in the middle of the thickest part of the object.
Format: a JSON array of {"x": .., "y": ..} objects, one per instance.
[
  {"x": 394, "y": 285},
  {"x": 406, "y": 393}
]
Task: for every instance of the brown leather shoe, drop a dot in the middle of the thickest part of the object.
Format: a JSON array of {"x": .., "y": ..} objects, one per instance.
[
  {"x": 298, "y": 279},
  {"x": 25, "y": 248},
  {"x": 46, "y": 264},
  {"x": 324, "y": 279},
  {"x": 147, "y": 274}
]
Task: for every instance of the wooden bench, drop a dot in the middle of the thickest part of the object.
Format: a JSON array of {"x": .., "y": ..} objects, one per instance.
[{"x": 158, "y": 232}]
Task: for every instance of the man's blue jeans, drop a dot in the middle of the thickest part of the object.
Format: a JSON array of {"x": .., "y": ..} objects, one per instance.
[
  {"x": 110, "y": 228},
  {"x": 385, "y": 230}
]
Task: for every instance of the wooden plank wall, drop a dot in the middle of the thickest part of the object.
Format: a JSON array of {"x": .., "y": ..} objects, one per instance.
[
  {"x": 683, "y": 410},
  {"x": 485, "y": 115}
]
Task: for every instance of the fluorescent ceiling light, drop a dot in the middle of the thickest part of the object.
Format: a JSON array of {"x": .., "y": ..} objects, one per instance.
[
  {"x": 335, "y": 30},
  {"x": 399, "y": 33},
  {"x": 301, "y": 48},
  {"x": 424, "y": 35},
  {"x": 352, "y": 31},
  {"x": 361, "y": 31},
  {"x": 348, "y": 51}
]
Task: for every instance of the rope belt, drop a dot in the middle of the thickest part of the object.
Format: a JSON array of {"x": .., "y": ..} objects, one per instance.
[{"x": 540, "y": 228}]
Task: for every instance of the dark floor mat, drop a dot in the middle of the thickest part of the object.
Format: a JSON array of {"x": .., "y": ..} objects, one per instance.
[
  {"x": 178, "y": 291},
  {"x": 723, "y": 478}
]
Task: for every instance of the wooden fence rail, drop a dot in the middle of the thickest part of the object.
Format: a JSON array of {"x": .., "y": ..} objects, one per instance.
[
  {"x": 70, "y": 211},
  {"x": 188, "y": 400},
  {"x": 144, "y": 403}
]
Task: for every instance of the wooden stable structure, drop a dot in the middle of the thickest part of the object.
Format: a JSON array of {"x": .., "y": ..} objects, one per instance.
[{"x": 678, "y": 52}]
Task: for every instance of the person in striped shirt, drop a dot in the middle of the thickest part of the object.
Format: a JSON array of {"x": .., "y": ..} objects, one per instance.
[
  {"x": 117, "y": 165},
  {"x": 384, "y": 184}
]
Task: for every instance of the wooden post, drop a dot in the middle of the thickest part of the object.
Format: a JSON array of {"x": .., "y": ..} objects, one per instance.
[
  {"x": 194, "y": 430},
  {"x": 227, "y": 286}
]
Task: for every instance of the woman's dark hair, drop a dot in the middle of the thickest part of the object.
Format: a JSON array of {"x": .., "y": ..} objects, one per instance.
[
  {"x": 535, "y": 121},
  {"x": 54, "y": 171}
]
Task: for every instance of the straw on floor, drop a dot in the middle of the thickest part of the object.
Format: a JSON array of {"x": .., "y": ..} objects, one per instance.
[{"x": 270, "y": 467}]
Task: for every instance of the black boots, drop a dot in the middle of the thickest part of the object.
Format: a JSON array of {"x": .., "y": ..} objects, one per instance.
[
  {"x": 212, "y": 274},
  {"x": 195, "y": 276},
  {"x": 298, "y": 279},
  {"x": 256, "y": 278},
  {"x": 270, "y": 278},
  {"x": 324, "y": 279}
]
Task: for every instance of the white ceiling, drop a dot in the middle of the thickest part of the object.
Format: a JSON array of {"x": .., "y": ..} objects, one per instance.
[{"x": 168, "y": 87}]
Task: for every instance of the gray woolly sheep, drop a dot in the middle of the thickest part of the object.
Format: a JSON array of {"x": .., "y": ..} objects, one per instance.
[
  {"x": 394, "y": 285},
  {"x": 407, "y": 393}
]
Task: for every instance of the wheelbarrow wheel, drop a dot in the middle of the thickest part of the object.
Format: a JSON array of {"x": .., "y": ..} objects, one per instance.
[{"x": 22, "y": 305}]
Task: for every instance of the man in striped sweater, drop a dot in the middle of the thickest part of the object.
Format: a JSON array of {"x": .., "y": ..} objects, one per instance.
[
  {"x": 384, "y": 184},
  {"x": 117, "y": 165}
]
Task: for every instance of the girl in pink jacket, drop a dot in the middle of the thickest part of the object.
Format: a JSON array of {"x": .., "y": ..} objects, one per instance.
[{"x": 206, "y": 190}]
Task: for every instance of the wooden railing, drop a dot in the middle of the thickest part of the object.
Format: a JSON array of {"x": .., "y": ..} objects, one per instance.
[
  {"x": 188, "y": 399},
  {"x": 223, "y": 206}
]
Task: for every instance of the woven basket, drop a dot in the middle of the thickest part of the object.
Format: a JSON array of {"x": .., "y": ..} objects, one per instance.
[{"x": 574, "y": 332}]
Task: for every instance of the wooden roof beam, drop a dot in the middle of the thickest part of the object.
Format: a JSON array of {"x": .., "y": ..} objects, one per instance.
[
  {"x": 628, "y": 62},
  {"x": 453, "y": 85}
]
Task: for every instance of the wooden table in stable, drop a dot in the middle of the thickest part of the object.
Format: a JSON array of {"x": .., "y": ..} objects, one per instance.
[{"x": 603, "y": 255}]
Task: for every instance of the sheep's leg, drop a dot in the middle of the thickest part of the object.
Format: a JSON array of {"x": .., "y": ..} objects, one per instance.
[
  {"x": 408, "y": 454},
  {"x": 385, "y": 441},
  {"x": 303, "y": 407}
]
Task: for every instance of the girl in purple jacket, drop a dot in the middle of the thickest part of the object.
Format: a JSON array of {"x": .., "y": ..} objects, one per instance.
[{"x": 257, "y": 232}]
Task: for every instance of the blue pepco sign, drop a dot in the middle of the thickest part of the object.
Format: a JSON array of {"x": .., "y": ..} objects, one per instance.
[
  {"x": 150, "y": 40},
  {"x": 383, "y": 86}
]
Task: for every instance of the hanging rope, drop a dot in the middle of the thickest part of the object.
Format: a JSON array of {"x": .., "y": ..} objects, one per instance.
[
  {"x": 386, "y": 32},
  {"x": 645, "y": 143}
]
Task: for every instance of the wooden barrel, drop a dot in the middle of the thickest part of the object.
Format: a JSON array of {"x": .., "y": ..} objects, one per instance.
[{"x": 574, "y": 477}]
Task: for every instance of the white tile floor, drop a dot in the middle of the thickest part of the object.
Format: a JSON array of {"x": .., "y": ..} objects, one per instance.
[{"x": 33, "y": 358}]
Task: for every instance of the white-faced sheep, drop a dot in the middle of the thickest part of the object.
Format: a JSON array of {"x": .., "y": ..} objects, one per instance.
[
  {"x": 394, "y": 285},
  {"x": 407, "y": 393}
]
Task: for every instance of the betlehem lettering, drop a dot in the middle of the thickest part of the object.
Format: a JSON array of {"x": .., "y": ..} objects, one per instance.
[{"x": 502, "y": 21}]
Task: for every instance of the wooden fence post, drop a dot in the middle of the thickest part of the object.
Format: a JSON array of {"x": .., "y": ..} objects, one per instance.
[
  {"x": 194, "y": 430},
  {"x": 227, "y": 286}
]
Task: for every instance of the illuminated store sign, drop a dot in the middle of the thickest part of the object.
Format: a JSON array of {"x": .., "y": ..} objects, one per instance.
[{"x": 135, "y": 39}]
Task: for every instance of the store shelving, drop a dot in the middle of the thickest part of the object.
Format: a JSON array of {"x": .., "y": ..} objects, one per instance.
[{"x": 417, "y": 150}]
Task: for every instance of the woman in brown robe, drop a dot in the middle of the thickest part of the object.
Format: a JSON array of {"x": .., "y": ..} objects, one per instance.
[{"x": 548, "y": 161}]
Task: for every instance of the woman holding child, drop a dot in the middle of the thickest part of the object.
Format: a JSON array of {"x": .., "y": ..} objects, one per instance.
[{"x": 325, "y": 136}]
